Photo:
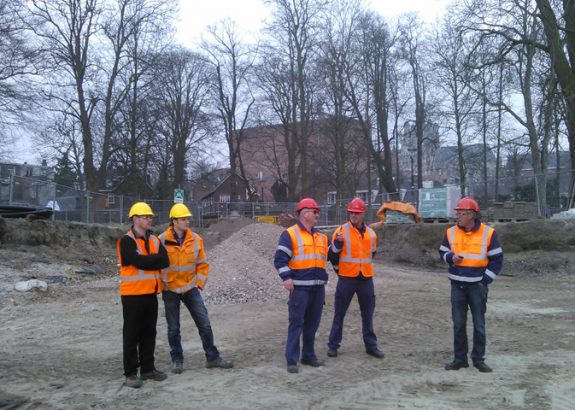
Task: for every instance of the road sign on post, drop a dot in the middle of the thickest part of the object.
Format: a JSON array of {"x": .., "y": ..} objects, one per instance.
[{"x": 178, "y": 196}]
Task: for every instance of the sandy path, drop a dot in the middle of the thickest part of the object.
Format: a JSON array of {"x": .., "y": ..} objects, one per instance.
[{"x": 65, "y": 352}]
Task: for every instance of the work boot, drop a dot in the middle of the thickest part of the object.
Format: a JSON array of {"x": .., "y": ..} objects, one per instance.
[
  {"x": 456, "y": 365},
  {"x": 177, "y": 367},
  {"x": 292, "y": 368},
  {"x": 312, "y": 362},
  {"x": 154, "y": 375},
  {"x": 133, "y": 381},
  {"x": 332, "y": 352},
  {"x": 482, "y": 367},
  {"x": 220, "y": 363},
  {"x": 375, "y": 353}
]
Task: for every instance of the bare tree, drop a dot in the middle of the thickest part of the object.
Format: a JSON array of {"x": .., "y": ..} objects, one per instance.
[
  {"x": 286, "y": 77},
  {"x": 231, "y": 63},
  {"x": 17, "y": 66}
]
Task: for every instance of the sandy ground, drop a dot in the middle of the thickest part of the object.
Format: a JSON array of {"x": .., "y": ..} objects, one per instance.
[{"x": 63, "y": 351}]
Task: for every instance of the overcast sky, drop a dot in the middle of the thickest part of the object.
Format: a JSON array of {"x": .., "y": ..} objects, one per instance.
[{"x": 250, "y": 14}]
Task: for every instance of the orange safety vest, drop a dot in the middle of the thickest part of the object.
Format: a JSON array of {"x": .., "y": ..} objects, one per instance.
[
  {"x": 134, "y": 281},
  {"x": 308, "y": 250},
  {"x": 188, "y": 263},
  {"x": 471, "y": 245},
  {"x": 355, "y": 257}
]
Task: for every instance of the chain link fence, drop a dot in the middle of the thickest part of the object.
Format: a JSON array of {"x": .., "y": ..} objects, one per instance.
[{"x": 518, "y": 197}]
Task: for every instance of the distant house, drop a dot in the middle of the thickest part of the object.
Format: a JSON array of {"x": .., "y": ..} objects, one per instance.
[
  {"x": 215, "y": 202},
  {"x": 26, "y": 184},
  {"x": 265, "y": 158},
  {"x": 445, "y": 168}
]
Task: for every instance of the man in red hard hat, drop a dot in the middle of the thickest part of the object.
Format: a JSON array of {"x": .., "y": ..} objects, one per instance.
[
  {"x": 475, "y": 257},
  {"x": 301, "y": 259},
  {"x": 351, "y": 252}
]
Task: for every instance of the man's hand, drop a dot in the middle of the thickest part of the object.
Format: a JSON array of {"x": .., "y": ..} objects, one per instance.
[
  {"x": 288, "y": 284},
  {"x": 457, "y": 259},
  {"x": 339, "y": 236}
]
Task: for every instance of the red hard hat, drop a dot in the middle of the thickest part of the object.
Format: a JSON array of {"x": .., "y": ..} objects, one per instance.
[
  {"x": 356, "y": 206},
  {"x": 466, "y": 204},
  {"x": 306, "y": 203}
]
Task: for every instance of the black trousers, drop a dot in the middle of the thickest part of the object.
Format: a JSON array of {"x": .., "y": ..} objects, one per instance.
[{"x": 139, "y": 332}]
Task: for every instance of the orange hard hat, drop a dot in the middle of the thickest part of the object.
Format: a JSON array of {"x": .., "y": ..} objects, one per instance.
[
  {"x": 356, "y": 206},
  {"x": 467, "y": 204},
  {"x": 308, "y": 203}
]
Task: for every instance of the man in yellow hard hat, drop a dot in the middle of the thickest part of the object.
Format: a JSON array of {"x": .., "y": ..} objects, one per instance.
[
  {"x": 141, "y": 258},
  {"x": 183, "y": 280}
]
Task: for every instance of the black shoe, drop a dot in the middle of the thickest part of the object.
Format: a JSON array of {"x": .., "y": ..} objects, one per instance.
[
  {"x": 482, "y": 367},
  {"x": 154, "y": 375},
  {"x": 456, "y": 365},
  {"x": 332, "y": 352},
  {"x": 375, "y": 353},
  {"x": 292, "y": 368},
  {"x": 177, "y": 367},
  {"x": 133, "y": 381},
  {"x": 312, "y": 362},
  {"x": 219, "y": 362}
]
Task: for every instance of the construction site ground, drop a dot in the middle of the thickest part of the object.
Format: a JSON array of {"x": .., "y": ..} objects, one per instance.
[{"x": 62, "y": 348}]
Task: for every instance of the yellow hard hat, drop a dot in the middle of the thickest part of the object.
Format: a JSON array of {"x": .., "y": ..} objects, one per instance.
[
  {"x": 140, "y": 209},
  {"x": 180, "y": 211}
]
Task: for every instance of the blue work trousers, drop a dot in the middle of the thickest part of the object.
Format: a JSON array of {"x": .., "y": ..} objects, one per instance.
[
  {"x": 472, "y": 297},
  {"x": 344, "y": 292},
  {"x": 305, "y": 308},
  {"x": 195, "y": 304}
]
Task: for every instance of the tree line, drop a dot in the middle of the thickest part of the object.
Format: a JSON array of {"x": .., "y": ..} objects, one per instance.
[{"x": 110, "y": 94}]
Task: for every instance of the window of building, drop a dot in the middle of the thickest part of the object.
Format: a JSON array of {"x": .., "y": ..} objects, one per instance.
[
  {"x": 362, "y": 194},
  {"x": 331, "y": 197},
  {"x": 224, "y": 198}
]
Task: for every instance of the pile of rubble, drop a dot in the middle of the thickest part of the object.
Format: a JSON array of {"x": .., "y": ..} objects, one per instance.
[
  {"x": 242, "y": 269},
  {"x": 568, "y": 214}
]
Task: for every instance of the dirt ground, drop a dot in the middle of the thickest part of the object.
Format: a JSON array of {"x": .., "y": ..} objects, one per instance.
[{"x": 63, "y": 351}]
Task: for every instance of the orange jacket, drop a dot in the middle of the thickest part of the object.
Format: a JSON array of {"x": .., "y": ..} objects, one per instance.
[
  {"x": 308, "y": 251},
  {"x": 134, "y": 281},
  {"x": 471, "y": 245},
  {"x": 356, "y": 254},
  {"x": 188, "y": 264}
]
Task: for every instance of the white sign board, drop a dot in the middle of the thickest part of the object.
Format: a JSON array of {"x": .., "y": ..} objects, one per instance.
[{"x": 178, "y": 196}]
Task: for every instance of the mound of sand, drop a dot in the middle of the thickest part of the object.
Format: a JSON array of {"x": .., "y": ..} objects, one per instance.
[{"x": 242, "y": 269}]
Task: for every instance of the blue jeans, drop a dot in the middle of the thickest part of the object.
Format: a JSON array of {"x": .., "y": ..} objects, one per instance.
[
  {"x": 195, "y": 304},
  {"x": 473, "y": 297},
  {"x": 305, "y": 308},
  {"x": 345, "y": 290}
]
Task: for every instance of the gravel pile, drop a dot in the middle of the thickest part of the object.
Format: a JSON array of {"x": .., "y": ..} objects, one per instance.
[{"x": 242, "y": 269}]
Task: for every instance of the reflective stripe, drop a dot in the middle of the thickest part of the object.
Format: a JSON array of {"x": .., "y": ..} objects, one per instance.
[
  {"x": 355, "y": 260},
  {"x": 140, "y": 276},
  {"x": 483, "y": 253},
  {"x": 347, "y": 239},
  {"x": 185, "y": 288},
  {"x": 490, "y": 274},
  {"x": 495, "y": 251},
  {"x": 335, "y": 249},
  {"x": 304, "y": 257},
  {"x": 464, "y": 278},
  {"x": 284, "y": 249},
  {"x": 284, "y": 269},
  {"x": 444, "y": 248},
  {"x": 301, "y": 255},
  {"x": 309, "y": 282}
]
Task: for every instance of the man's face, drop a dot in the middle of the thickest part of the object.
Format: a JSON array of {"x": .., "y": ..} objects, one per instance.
[
  {"x": 181, "y": 224},
  {"x": 356, "y": 218},
  {"x": 309, "y": 216},
  {"x": 465, "y": 217},
  {"x": 143, "y": 222}
]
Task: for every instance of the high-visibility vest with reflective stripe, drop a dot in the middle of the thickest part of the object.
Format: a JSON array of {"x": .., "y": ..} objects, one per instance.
[
  {"x": 134, "y": 281},
  {"x": 355, "y": 257},
  {"x": 471, "y": 245},
  {"x": 188, "y": 264},
  {"x": 308, "y": 250}
]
